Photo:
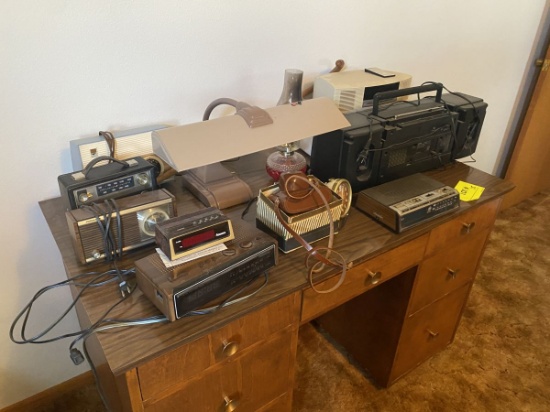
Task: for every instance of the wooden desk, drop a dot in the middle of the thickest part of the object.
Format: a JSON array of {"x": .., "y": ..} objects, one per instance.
[{"x": 245, "y": 354}]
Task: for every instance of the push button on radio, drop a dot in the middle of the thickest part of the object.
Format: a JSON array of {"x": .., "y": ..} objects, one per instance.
[{"x": 246, "y": 244}]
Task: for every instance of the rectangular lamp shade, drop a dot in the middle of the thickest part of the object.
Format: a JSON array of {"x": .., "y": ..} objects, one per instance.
[{"x": 203, "y": 143}]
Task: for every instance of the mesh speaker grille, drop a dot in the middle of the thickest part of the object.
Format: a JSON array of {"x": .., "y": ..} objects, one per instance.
[{"x": 397, "y": 157}]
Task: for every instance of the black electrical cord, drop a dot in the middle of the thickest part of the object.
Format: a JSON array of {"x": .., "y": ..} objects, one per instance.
[
  {"x": 24, "y": 314},
  {"x": 103, "y": 220},
  {"x": 112, "y": 242},
  {"x": 248, "y": 206},
  {"x": 118, "y": 248},
  {"x": 103, "y": 214},
  {"x": 103, "y": 323},
  {"x": 97, "y": 280}
]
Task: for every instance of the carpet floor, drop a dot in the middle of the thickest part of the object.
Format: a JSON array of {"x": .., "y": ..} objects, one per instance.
[{"x": 499, "y": 360}]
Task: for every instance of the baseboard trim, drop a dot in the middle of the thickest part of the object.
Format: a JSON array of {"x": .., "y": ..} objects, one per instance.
[{"x": 46, "y": 398}]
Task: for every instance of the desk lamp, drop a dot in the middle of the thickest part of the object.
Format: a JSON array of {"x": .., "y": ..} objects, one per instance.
[{"x": 189, "y": 147}]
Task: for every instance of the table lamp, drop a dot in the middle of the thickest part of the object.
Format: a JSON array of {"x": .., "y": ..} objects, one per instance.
[
  {"x": 287, "y": 158},
  {"x": 196, "y": 148}
]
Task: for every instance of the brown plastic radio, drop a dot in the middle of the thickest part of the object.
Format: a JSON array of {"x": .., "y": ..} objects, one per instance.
[{"x": 106, "y": 230}]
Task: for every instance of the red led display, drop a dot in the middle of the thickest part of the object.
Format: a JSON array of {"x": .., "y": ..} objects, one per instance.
[{"x": 197, "y": 239}]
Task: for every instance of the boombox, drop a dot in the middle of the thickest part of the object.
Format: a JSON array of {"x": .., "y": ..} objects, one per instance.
[
  {"x": 113, "y": 180},
  {"x": 399, "y": 139},
  {"x": 178, "y": 289},
  {"x": 106, "y": 230}
]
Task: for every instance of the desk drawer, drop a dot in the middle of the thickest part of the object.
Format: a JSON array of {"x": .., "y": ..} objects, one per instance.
[
  {"x": 259, "y": 377},
  {"x": 428, "y": 331},
  {"x": 362, "y": 278},
  {"x": 223, "y": 344},
  {"x": 463, "y": 226},
  {"x": 446, "y": 271}
]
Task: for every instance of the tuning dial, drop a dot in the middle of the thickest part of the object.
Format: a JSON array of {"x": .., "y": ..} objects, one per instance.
[
  {"x": 152, "y": 220},
  {"x": 157, "y": 164},
  {"x": 142, "y": 179},
  {"x": 83, "y": 197}
]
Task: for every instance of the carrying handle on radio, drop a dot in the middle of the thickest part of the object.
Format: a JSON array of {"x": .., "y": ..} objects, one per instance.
[
  {"x": 89, "y": 166},
  {"x": 432, "y": 87}
]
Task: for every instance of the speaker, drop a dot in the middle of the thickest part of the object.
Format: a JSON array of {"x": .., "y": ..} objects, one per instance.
[
  {"x": 471, "y": 113},
  {"x": 353, "y": 153},
  {"x": 104, "y": 231}
]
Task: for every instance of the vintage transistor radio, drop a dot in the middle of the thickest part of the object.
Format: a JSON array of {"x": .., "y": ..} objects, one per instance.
[
  {"x": 106, "y": 230},
  {"x": 404, "y": 203},
  {"x": 113, "y": 180}
]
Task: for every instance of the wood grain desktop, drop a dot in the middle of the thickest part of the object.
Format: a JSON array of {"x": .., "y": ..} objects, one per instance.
[{"x": 389, "y": 323}]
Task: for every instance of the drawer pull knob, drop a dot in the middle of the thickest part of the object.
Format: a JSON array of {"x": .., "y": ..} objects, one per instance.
[
  {"x": 374, "y": 277},
  {"x": 230, "y": 348},
  {"x": 433, "y": 334},
  {"x": 467, "y": 227},
  {"x": 453, "y": 272},
  {"x": 230, "y": 404}
]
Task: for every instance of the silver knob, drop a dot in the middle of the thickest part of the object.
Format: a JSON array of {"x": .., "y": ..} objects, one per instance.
[
  {"x": 142, "y": 179},
  {"x": 83, "y": 197}
]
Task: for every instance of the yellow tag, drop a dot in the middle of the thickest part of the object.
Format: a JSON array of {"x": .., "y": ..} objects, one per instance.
[{"x": 468, "y": 191}]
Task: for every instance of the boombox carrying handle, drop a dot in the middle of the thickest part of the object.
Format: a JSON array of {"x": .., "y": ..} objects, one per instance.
[
  {"x": 89, "y": 166},
  {"x": 438, "y": 87}
]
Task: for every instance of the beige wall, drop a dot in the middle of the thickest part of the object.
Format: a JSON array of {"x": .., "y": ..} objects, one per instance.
[{"x": 71, "y": 68}]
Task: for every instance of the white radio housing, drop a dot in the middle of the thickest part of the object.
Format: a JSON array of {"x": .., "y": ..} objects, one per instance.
[{"x": 354, "y": 89}]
